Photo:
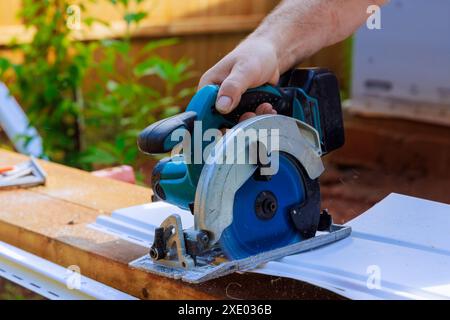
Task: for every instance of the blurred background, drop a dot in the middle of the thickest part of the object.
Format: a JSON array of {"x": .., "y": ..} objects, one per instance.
[
  {"x": 96, "y": 72},
  {"x": 90, "y": 74}
]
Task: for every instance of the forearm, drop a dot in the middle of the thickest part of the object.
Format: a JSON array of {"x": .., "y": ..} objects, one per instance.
[
  {"x": 295, "y": 30},
  {"x": 299, "y": 28}
]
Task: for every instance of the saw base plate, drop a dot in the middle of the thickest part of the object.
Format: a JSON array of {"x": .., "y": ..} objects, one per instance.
[{"x": 199, "y": 274}]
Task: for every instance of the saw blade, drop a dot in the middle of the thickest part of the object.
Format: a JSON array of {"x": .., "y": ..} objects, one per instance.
[
  {"x": 261, "y": 219},
  {"x": 223, "y": 181}
]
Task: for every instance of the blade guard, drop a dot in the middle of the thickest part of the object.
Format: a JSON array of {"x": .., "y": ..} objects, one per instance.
[{"x": 217, "y": 174}]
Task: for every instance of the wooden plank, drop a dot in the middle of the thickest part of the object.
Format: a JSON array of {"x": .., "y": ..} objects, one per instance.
[
  {"x": 51, "y": 222},
  {"x": 78, "y": 187},
  {"x": 52, "y": 225}
]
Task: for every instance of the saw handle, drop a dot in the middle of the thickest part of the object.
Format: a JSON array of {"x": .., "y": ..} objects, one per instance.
[
  {"x": 156, "y": 138},
  {"x": 253, "y": 98}
]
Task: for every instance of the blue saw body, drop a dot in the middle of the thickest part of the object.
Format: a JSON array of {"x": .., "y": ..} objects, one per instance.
[
  {"x": 308, "y": 95},
  {"x": 177, "y": 180}
]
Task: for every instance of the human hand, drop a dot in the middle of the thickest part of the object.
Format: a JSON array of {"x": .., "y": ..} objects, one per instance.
[{"x": 251, "y": 64}]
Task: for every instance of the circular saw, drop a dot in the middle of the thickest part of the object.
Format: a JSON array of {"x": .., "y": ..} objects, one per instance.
[{"x": 254, "y": 191}]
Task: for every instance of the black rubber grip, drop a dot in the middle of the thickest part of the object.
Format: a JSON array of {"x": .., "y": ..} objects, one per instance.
[
  {"x": 251, "y": 100},
  {"x": 153, "y": 139}
]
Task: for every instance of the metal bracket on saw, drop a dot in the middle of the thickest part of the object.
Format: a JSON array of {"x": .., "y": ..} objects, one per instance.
[{"x": 199, "y": 274}]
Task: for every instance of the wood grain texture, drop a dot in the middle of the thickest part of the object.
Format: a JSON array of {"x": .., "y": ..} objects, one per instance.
[{"x": 51, "y": 222}]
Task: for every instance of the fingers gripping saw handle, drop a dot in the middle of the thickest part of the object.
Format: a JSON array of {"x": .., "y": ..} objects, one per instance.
[{"x": 253, "y": 98}]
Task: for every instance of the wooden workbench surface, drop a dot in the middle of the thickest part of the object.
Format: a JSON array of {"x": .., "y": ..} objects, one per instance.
[{"x": 51, "y": 222}]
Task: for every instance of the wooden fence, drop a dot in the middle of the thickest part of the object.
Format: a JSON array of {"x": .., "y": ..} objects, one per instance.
[{"x": 207, "y": 29}]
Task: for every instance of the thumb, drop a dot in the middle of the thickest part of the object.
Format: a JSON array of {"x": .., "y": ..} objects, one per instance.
[{"x": 231, "y": 89}]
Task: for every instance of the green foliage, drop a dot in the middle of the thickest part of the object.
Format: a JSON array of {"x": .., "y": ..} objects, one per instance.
[
  {"x": 48, "y": 79},
  {"x": 95, "y": 125},
  {"x": 122, "y": 102},
  {"x": 4, "y": 66}
]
